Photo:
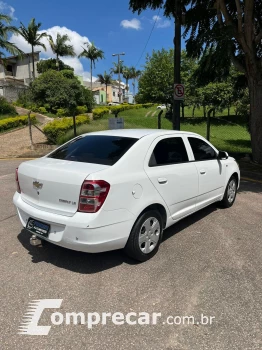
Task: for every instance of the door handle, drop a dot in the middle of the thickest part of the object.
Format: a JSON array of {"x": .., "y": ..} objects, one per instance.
[
  {"x": 162, "y": 180},
  {"x": 202, "y": 172}
]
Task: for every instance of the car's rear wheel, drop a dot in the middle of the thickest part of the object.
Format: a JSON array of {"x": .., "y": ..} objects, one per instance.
[
  {"x": 230, "y": 193},
  {"x": 146, "y": 236}
]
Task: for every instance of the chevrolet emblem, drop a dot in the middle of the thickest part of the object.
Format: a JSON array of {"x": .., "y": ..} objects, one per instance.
[{"x": 37, "y": 185}]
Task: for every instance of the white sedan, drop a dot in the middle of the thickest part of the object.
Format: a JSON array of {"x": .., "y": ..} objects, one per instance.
[{"x": 121, "y": 188}]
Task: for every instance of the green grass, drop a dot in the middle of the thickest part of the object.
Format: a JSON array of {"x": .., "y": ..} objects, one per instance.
[{"x": 225, "y": 133}]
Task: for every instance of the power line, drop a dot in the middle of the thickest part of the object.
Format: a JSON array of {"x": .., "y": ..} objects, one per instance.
[{"x": 156, "y": 19}]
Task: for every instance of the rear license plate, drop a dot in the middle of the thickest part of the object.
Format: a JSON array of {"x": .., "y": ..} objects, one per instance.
[{"x": 38, "y": 227}]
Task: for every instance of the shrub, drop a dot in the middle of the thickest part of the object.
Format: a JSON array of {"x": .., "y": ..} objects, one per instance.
[
  {"x": 100, "y": 112},
  {"x": 42, "y": 110},
  {"x": 59, "y": 127},
  {"x": 6, "y": 107},
  {"x": 10, "y": 123},
  {"x": 81, "y": 110},
  {"x": 62, "y": 112}
]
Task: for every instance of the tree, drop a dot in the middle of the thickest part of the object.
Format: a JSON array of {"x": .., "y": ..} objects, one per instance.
[
  {"x": 105, "y": 79},
  {"x": 127, "y": 75},
  {"x": 116, "y": 68},
  {"x": 233, "y": 29},
  {"x": 93, "y": 54},
  {"x": 5, "y": 31},
  {"x": 60, "y": 47},
  {"x": 44, "y": 65},
  {"x": 59, "y": 90},
  {"x": 31, "y": 35},
  {"x": 135, "y": 74}
]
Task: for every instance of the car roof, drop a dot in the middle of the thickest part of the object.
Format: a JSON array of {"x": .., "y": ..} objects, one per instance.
[{"x": 138, "y": 133}]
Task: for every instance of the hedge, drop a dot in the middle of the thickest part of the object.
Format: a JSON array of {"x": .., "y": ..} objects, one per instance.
[
  {"x": 10, "y": 123},
  {"x": 59, "y": 127},
  {"x": 101, "y": 111}
]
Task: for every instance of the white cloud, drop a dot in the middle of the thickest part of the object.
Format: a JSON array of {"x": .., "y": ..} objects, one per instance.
[
  {"x": 4, "y": 7},
  {"x": 77, "y": 41},
  {"x": 132, "y": 24},
  {"x": 161, "y": 23}
]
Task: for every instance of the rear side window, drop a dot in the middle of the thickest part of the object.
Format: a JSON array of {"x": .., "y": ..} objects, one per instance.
[
  {"x": 201, "y": 149},
  {"x": 106, "y": 150},
  {"x": 169, "y": 151}
]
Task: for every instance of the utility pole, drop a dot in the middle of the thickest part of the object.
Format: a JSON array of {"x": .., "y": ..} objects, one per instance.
[
  {"x": 177, "y": 62},
  {"x": 119, "y": 82}
]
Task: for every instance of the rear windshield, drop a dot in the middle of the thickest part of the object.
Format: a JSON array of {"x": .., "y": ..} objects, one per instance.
[{"x": 95, "y": 149}]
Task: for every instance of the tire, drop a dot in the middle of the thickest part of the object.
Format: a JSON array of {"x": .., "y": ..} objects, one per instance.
[
  {"x": 230, "y": 193},
  {"x": 144, "y": 242}
]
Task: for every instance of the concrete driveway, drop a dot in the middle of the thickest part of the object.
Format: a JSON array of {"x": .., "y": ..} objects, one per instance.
[{"x": 209, "y": 263}]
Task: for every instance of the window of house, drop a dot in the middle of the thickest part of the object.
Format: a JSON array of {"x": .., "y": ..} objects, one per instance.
[
  {"x": 169, "y": 151},
  {"x": 114, "y": 94},
  {"x": 201, "y": 149}
]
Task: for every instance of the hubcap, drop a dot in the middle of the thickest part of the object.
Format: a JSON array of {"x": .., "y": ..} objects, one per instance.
[
  {"x": 231, "y": 191},
  {"x": 149, "y": 235}
]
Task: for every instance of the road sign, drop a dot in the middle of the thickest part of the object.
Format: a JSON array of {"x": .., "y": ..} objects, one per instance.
[{"x": 179, "y": 92}]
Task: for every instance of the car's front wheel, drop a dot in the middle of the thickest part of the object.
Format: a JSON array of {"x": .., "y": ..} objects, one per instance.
[
  {"x": 146, "y": 236},
  {"x": 230, "y": 193}
]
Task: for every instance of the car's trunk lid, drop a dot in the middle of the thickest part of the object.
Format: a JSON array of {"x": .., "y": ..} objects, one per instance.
[{"x": 54, "y": 185}]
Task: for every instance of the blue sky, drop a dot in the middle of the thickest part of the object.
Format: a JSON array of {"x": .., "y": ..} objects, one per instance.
[{"x": 110, "y": 24}]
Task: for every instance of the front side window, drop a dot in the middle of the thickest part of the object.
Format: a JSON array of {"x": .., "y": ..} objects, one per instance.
[
  {"x": 201, "y": 149},
  {"x": 95, "y": 149},
  {"x": 169, "y": 151}
]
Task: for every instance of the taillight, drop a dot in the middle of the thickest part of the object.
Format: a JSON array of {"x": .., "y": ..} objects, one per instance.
[
  {"x": 92, "y": 195},
  {"x": 17, "y": 181}
]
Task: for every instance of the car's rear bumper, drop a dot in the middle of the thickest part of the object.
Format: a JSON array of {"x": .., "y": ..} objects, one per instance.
[{"x": 75, "y": 232}]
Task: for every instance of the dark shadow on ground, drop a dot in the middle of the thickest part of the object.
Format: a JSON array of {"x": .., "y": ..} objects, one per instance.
[
  {"x": 189, "y": 221},
  {"x": 250, "y": 186},
  {"x": 86, "y": 263},
  {"x": 79, "y": 262}
]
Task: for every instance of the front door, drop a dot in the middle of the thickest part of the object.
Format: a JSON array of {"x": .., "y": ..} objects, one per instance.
[{"x": 211, "y": 172}]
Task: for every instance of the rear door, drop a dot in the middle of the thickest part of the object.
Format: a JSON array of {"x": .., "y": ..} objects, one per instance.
[
  {"x": 211, "y": 171},
  {"x": 168, "y": 167}
]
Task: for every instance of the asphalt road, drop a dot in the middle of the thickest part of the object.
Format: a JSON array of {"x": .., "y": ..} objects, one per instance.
[{"x": 209, "y": 263}]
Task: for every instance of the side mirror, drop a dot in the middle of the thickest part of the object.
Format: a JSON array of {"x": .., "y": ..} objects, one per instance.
[{"x": 222, "y": 155}]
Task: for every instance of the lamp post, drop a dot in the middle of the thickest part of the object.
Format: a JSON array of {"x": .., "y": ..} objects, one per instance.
[
  {"x": 177, "y": 62},
  {"x": 119, "y": 83}
]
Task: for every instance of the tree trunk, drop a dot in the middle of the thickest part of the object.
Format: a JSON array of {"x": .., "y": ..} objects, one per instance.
[
  {"x": 91, "y": 76},
  {"x": 57, "y": 62},
  {"x": 255, "y": 90},
  {"x": 193, "y": 111},
  {"x": 33, "y": 61},
  {"x": 106, "y": 93},
  {"x": 205, "y": 111},
  {"x": 228, "y": 111},
  {"x": 127, "y": 88},
  {"x": 30, "y": 130}
]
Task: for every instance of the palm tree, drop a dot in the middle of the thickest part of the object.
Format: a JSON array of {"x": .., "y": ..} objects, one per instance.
[
  {"x": 5, "y": 31},
  {"x": 93, "y": 54},
  {"x": 60, "y": 47},
  {"x": 135, "y": 76},
  {"x": 127, "y": 74},
  {"x": 115, "y": 69},
  {"x": 31, "y": 35},
  {"x": 105, "y": 79}
]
